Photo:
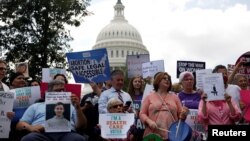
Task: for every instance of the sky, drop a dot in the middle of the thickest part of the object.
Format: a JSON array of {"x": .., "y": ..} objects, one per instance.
[{"x": 211, "y": 31}]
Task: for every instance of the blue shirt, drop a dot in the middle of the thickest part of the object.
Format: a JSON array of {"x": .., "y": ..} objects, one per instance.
[
  {"x": 35, "y": 115},
  {"x": 108, "y": 94}
]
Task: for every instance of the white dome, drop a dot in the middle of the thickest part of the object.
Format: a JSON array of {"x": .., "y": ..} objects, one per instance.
[
  {"x": 120, "y": 39},
  {"x": 119, "y": 29}
]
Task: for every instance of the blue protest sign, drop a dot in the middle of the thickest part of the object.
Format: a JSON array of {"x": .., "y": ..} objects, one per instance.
[{"x": 89, "y": 66}]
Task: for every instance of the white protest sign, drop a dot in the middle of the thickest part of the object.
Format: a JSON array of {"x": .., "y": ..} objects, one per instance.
[
  {"x": 49, "y": 73},
  {"x": 6, "y": 105},
  {"x": 213, "y": 86},
  {"x": 147, "y": 90},
  {"x": 134, "y": 64},
  {"x": 149, "y": 69},
  {"x": 26, "y": 96},
  {"x": 199, "y": 75},
  {"x": 58, "y": 112},
  {"x": 115, "y": 125}
]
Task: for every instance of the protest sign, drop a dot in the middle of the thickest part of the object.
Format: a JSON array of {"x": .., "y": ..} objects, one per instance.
[
  {"x": 58, "y": 112},
  {"x": 213, "y": 86},
  {"x": 23, "y": 67},
  {"x": 115, "y": 125},
  {"x": 190, "y": 66},
  {"x": 6, "y": 105},
  {"x": 26, "y": 96},
  {"x": 149, "y": 69},
  {"x": 89, "y": 66},
  {"x": 199, "y": 75},
  {"x": 49, "y": 73},
  {"x": 73, "y": 88},
  {"x": 134, "y": 64}
]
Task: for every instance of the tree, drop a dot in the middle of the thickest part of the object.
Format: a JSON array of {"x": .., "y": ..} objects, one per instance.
[{"x": 35, "y": 30}]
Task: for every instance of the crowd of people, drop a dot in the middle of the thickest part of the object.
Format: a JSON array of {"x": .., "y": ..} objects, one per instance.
[{"x": 164, "y": 105}]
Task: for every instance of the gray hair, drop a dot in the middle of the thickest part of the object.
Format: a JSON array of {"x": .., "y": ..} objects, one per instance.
[
  {"x": 116, "y": 72},
  {"x": 54, "y": 83}
]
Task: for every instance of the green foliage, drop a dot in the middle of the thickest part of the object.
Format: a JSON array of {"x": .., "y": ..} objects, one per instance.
[{"x": 35, "y": 30}]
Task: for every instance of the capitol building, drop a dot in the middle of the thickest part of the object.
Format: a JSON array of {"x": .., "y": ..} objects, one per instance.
[{"x": 120, "y": 39}]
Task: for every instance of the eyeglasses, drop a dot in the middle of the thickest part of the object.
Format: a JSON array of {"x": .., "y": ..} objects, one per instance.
[
  {"x": 3, "y": 69},
  {"x": 165, "y": 78},
  {"x": 116, "y": 106}
]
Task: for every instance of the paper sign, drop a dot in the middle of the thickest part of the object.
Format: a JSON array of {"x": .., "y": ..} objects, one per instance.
[
  {"x": 6, "y": 105},
  {"x": 115, "y": 125},
  {"x": 213, "y": 86},
  {"x": 58, "y": 112},
  {"x": 49, "y": 73},
  {"x": 134, "y": 64},
  {"x": 199, "y": 75},
  {"x": 26, "y": 96},
  {"x": 147, "y": 90},
  {"x": 149, "y": 69}
]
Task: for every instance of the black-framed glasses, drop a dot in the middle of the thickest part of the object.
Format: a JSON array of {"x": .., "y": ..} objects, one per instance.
[
  {"x": 116, "y": 106},
  {"x": 3, "y": 69}
]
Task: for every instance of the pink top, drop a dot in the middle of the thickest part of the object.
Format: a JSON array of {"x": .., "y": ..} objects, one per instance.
[
  {"x": 218, "y": 113},
  {"x": 155, "y": 109}
]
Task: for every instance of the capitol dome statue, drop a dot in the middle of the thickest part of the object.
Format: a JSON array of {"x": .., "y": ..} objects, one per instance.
[{"x": 120, "y": 39}]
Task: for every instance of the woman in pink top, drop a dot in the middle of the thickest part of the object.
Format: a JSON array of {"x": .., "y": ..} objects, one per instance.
[
  {"x": 161, "y": 108},
  {"x": 221, "y": 112}
]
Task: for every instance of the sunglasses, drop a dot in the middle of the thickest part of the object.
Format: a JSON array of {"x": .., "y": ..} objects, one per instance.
[{"x": 116, "y": 106}]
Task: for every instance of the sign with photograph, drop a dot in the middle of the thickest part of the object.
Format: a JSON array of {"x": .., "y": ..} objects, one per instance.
[
  {"x": 58, "y": 112},
  {"x": 89, "y": 66},
  {"x": 26, "y": 96},
  {"x": 6, "y": 105},
  {"x": 115, "y": 125},
  {"x": 23, "y": 67},
  {"x": 134, "y": 64},
  {"x": 149, "y": 69}
]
